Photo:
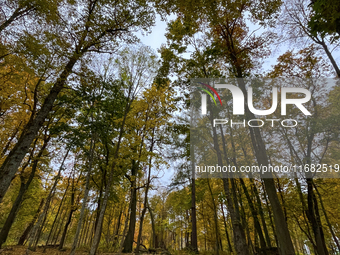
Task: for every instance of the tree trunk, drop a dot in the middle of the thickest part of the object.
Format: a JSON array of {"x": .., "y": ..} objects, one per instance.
[
  {"x": 327, "y": 219},
  {"x": 69, "y": 218},
  {"x": 38, "y": 227},
  {"x": 226, "y": 230},
  {"x": 59, "y": 227},
  {"x": 31, "y": 224},
  {"x": 254, "y": 214},
  {"x": 238, "y": 231},
  {"x": 140, "y": 232},
  {"x": 124, "y": 231},
  {"x": 146, "y": 197},
  {"x": 12, "y": 214},
  {"x": 153, "y": 244},
  {"x": 270, "y": 214},
  {"x": 117, "y": 228},
  {"x": 193, "y": 208},
  {"x": 330, "y": 56},
  {"x": 259, "y": 206},
  {"x": 97, "y": 234},
  {"x": 84, "y": 231},
  {"x": 12, "y": 162},
  {"x": 128, "y": 243},
  {"x": 89, "y": 233},
  {"x": 86, "y": 194},
  {"x": 57, "y": 214},
  {"x": 314, "y": 219},
  {"x": 23, "y": 187},
  {"x": 217, "y": 248},
  {"x": 99, "y": 202},
  {"x": 282, "y": 231}
]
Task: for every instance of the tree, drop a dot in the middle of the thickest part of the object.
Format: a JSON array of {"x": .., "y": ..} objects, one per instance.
[
  {"x": 95, "y": 31},
  {"x": 295, "y": 20},
  {"x": 325, "y": 18}
]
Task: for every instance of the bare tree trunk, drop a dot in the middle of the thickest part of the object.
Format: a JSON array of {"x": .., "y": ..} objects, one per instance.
[
  {"x": 238, "y": 231},
  {"x": 282, "y": 231},
  {"x": 85, "y": 229},
  {"x": 89, "y": 233},
  {"x": 259, "y": 206},
  {"x": 59, "y": 227},
  {"x": 12, "y": 214},
  {"x": 268, "y": 207},
  {"x": 97, "y": 234},
  {"x": 117, "y": 228}
]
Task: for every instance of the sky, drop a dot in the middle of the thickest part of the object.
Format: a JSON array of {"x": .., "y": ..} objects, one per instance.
[{"x": 156, "y": 38}]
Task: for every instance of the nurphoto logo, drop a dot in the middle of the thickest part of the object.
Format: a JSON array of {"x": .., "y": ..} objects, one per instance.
[
  {"x": 238, "y": 99},
  {"x": 238, "y": 104}
]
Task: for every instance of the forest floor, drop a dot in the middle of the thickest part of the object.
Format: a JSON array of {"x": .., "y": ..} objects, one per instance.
[{"x": 22, "y": 250}]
